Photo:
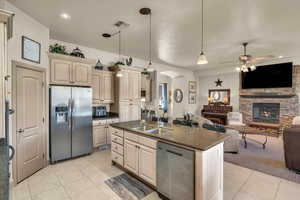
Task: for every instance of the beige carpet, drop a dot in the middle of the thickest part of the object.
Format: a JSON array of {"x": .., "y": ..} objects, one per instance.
[{"x": 269, "y": 160}]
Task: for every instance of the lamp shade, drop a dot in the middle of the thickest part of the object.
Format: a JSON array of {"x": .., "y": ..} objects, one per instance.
[{"x": 202, "y": 59}]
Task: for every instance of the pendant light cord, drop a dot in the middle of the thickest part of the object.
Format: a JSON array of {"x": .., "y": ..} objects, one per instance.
[
  {"x": 150, "y": 39},
  {"x": 202, "y": 26},
  {"x": 120, "y": 46}
]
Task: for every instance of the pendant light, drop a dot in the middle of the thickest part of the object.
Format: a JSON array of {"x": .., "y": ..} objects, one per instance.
[
  {"x": 147, "y": 11},
  {"x": 202, "y": 58}
]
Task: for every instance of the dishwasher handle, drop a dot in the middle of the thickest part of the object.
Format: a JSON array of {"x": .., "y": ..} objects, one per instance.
[{"x": 173, "y": 152}]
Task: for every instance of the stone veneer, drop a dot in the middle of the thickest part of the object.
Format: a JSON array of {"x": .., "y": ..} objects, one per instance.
[{"x": 289, "y": 103}]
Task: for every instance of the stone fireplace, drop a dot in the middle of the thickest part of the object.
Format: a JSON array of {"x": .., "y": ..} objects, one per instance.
[
  {"x": 266, "y": 112},
  {"x": 271, "y": 105}
]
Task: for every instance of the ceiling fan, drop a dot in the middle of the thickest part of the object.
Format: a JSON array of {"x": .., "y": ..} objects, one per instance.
[{"x": 247, "y": 62}]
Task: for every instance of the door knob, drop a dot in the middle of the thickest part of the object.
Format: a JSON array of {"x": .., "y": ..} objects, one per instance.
[{"x": 20, "y": 130}]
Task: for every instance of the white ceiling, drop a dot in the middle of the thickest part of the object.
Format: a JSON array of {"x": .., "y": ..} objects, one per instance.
[{"x": 271, "y": 27}]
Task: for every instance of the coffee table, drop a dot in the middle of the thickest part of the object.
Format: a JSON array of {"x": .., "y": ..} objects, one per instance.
[{"x": 248, "y": 130}]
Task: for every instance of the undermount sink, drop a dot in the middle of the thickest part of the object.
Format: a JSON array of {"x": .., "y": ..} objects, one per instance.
[{"x": 148, "y": 129}]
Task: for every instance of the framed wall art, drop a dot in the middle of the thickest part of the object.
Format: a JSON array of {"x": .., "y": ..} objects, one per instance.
[
  {"x": 192, "y": 86},
  {"x": 31, "y": 50}
]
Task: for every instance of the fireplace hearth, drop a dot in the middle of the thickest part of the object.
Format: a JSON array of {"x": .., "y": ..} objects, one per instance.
[{"x": 266, "y": 112}]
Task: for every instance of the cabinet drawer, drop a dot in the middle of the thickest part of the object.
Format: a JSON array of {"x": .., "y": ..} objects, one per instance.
[
  {"x": 99, "y": 122},
  {"x": 131, "y": 136},
  {"x": 117, "y": 148},
  {"x": 114, "y": 120},
  {"x": 147, "y": 142},
  {"x": 117, "y": 139},
  {"x": 117, "y": 158},
  {"x": 117, "y": 132}
]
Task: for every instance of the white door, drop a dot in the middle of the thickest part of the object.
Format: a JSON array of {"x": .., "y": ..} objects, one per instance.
[
  {"x": 30, "y": 127},
  {"x": 131, "y": 156},
  {"x": 147, "y": 164},
  {"x": 99, "y": 135},
  {"x": 124, "y": 86},
  {"x": 107, "y": 87},
  {"x": 124, "y": 113}
]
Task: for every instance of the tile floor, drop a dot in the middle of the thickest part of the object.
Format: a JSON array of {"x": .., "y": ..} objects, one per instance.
[{"x": 83, "y": 179}]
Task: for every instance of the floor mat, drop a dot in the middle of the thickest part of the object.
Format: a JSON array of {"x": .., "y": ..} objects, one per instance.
[{"x": 128, "y": 188}]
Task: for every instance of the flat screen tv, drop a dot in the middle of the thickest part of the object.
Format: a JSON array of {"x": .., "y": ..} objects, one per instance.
[{"x": 269, "y": 76}]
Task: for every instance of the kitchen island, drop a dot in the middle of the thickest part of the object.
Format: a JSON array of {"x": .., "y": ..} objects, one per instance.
[{"x": 137, "y": 147}]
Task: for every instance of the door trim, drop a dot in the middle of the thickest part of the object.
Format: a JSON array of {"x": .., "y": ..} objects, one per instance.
[{"x": 13, "y": 132}]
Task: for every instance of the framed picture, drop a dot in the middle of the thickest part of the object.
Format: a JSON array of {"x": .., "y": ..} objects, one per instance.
[
  {"x": 192, "y": 98},
  {"x": 31, "y": 50},
  {"x": 193, "y": 86}
]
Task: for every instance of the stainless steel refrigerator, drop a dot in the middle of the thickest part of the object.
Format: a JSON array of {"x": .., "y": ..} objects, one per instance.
[{"x": 70, "y": 122}]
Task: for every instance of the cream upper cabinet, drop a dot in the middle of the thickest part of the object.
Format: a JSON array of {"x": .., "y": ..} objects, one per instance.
[
  {"x": 131, "y": 156},
  {"x": 68, "y": 70},
  {"x": 82, "y": 74},
  {"x": 124, "y": 86},
  {"x": 61, "y": 71},
  {"x": 99, "y": 135},
  {"x": 107, "y": 83},
  {"x": 103, "y": 87},
  {"x": 147, "y": 164},
  {"x": 96, "y": 85},
  {"x": 134, "y": 86}
]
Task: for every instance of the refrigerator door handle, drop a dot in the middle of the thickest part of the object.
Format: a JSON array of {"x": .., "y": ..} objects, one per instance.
[
  {"x": 73, "y": 118},
  {"x": 70, "y": 113}
]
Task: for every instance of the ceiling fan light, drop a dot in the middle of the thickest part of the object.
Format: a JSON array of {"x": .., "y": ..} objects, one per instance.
[
  {"x": 252, "y": 67},
  {"x": 202, "y": 59}
]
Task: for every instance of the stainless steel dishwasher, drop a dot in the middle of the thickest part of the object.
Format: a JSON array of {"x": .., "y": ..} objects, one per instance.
[{"x": 175, "y": 172}]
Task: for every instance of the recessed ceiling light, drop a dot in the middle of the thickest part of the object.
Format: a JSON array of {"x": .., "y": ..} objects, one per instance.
[
  {"x": 65, "y": 16},
  {"x": 280, "y": 56}
]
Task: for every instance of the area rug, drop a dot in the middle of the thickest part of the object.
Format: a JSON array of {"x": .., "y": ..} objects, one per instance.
[
  {"x": 269, "y": 160},
  {"x": 128, "y": 188}
]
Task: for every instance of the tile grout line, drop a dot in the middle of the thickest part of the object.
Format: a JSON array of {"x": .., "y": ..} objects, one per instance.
[
  {"x": 239, "y": 190},
  {"x": 279, "y": 184}
]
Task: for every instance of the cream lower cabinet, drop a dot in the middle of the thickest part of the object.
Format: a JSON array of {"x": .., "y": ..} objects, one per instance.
[
  {"x": 99, "y": 135},
  {"x": 147, "y": 164},
  {"x": 141, "y": 160},
  {"x": 131, "y": 153}
]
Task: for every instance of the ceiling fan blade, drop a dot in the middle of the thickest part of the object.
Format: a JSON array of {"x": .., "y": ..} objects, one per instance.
[
  {"x": 229, "y": 62},
  {"x": 263, "y": 58}
]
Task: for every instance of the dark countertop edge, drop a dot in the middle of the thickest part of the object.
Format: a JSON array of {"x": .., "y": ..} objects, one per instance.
[
  {"x": 222, "y": 139},
  {"x": 109, "y": 116}
]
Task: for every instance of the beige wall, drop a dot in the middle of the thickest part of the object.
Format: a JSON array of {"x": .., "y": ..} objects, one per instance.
[{"x": 230, "y": 81}]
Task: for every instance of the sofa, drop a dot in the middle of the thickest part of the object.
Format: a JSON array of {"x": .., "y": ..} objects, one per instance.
[{"x": 291, "y": 140}]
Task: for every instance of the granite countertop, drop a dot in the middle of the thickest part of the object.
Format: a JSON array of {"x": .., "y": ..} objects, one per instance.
[
  {"x": 110, "y": 115},
  {"x": 4, "y": 179},
  {"x": 193, "y": 137}
]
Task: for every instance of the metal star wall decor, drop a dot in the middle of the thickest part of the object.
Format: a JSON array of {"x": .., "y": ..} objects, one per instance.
[{"x": 218, "y": 83}]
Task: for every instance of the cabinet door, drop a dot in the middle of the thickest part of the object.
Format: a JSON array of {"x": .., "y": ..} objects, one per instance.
[
  {"x": 96, "y": 88},
  {"x": 131, "y": 156},
  {"x": 124, "y": 86},
  {"x": 135, "y": 111},
  {"x": 82, "y": 74},
  {"x": 147, "y": 164},
  {"x": 99, "y": 135},
  {"x": 61, "y": 72},
  {"x": 134, "y": 86},
  {"x": 108, "y": 135},
  {"x": 124, "y": 113},
  {"x": 107, "y": 87}
]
